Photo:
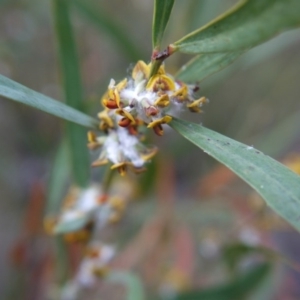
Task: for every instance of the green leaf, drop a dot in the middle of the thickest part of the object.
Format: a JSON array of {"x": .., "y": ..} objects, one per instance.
[
  {"x": 62, "y": 260},
  {"x": 58, "y": 179},
  {"x": 17, "y": 92},
  {"x": 69, "y": 65},
  {"x": 108, "y": 24},
  {"x": 82, "y": 219},
  {"x": 133, "y": 284},
  {"x": 199, "y": 13},
  {"x": 246, "y": 25},
  {"x": 278, "y": 185},
  {"x": 205, "y": 65},
  {"x": 239, "y": 288},
  {"x": 234, "y": 253},
  {"x": 162, "y": 11},
  {"x": 72, "y": 225}
]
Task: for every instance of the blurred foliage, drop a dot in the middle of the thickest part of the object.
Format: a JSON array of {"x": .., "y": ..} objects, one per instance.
[{"x": 239, "y": 288}]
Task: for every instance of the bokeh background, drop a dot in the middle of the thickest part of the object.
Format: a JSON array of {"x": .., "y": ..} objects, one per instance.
[{"x": 190, "y": 207}]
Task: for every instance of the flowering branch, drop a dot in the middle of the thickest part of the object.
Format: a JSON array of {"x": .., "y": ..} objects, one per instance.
[{"x": 140, "y": 100}]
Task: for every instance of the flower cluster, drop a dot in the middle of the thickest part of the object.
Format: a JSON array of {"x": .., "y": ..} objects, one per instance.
[
  {"x": 132, "y": 103},
  {"x": 86, "y": 209},
  {"x": 94, "y": 264},
  {"x": 92, "y": 267},
  {"x": 85, "y": 214},
  {"x": 121, "y": 148}
]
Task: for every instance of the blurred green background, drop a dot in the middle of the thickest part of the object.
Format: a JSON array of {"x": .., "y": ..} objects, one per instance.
[{"x": 255, "y": 100}]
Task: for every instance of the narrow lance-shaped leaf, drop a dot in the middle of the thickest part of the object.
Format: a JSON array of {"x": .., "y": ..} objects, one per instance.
[
  {"x": 209, "y": 63},
  {"x": 205, "y": 65},
  {"x": 58, "y": 179},
  {"x": 239, "y": 288},
  {"x": 248, "y": 24},
  {"x": 132, "y": 283},
  {"x": 70, "y": 72},
  {"x": 19, "y": 93},
  {"x": 279, "y": 186},
  {"x": 162, "y": 11},
  {"x": 72, "y": 225},
  {"x": 161, "y": 14},
  {"x": 61, "y": 263},
  {"x": 69, "y": 225},
  {"x": 232, "y": 255},
  {"x": 107, "y": 23}
]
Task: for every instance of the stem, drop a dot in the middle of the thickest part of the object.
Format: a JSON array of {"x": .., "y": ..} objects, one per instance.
[
  {"x": 155, "y": 67},
  {"x": 107, "y": 179},
  {"x": 158, "y": 58},
  {"x": 61, "y": 261}
]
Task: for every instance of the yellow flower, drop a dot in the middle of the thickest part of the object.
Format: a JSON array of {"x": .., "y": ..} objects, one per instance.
[
  {"x": 181, "y": 94},
  {"x": 195, "y": 105},
  {"x": 106, "y": 121},
  {"x": 160, "y": 83},
  {"x": 124, "y": 166},
  {"x": 126, "y": 116},
  {"x": 100, "y": 162},
  {"x": 162, "y": 101},
  {"x": 140, "y": 69},
  {"x": 92, "y": 140},
  {"x": 156, "y": 124},
  {"x": 112, "y": 100}
]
